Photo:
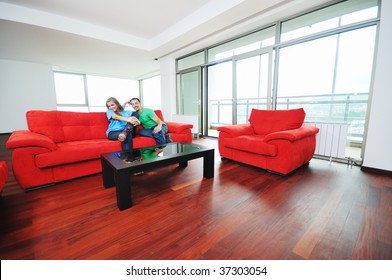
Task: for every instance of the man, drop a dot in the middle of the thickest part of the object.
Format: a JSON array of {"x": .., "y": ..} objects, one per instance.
[{"x": 153, "y": 126}]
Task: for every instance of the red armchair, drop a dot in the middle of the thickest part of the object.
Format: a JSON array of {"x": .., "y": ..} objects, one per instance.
[
  {"x": 274, "y": 140},
  {"x": 3, "y": 175}
]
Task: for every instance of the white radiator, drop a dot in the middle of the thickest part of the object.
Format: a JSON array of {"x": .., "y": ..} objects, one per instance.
[{"x": 331, "y": 139}]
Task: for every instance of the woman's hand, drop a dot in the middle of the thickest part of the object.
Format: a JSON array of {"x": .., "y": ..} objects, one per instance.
[{"x": 133, "y": 120}]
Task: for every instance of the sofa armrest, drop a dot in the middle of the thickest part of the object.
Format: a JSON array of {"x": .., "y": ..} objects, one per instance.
[
  {"x": 175, "y": 127},
  {"x": 26, "y": 138},
  {"x": 292, "y": 134},
  {"x": 237, "y": 129}
]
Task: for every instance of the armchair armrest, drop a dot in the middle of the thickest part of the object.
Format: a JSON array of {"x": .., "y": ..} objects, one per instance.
[
  {"x": 292, "y": 134},
  {"x": 237, "y": 129},
  {"x": 175, "y": 127},
  {"x": 26, "y": 138}
]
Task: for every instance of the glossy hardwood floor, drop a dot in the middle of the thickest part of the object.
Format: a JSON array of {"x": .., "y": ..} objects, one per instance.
[{"x": 321, "y": 211}]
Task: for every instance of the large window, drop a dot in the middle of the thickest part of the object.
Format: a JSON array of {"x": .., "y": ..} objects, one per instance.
[
  {"x": 70, "y": 92},
  {"x": 190, "y": 61},
  {"x": 99, "y": 89},
  {"x": 252, "y": 86},
  {"x": 220, "y": 94},
  {"x": 254, "y": 41},
  {"x": 335, "y": 16},
  {"x": 321, "y": 61},
  {"x": 88, "y": 93},
  {"x": 330, "y": 77},
  {"x": 151, "y": 92}
]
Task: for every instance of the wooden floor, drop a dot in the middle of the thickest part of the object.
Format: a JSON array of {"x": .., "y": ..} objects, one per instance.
[{"x": 321, "y": 211}]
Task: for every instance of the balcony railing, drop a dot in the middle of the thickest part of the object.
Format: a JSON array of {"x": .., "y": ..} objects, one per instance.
[{"x": 349, "y": 108}]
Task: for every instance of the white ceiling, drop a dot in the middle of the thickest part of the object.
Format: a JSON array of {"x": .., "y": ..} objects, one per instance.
[{"x": 123, "y": 37}]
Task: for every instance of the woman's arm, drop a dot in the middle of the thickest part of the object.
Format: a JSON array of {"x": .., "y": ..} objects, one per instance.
[
  {"x": 133, "y": 120},
  {"x": 119, "y": 117}
]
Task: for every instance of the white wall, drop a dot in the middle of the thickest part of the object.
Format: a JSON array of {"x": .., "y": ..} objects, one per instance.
[
  {"x": 378, "y": 147},
  {"x": 24, "y": 86},
  {"x": 168, "y": 87}
]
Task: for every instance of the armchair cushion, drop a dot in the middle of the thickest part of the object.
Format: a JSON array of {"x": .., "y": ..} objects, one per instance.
[
  {"x": 237, "y": 129},
  {"x": 293, "y": 134},
  {"x": 256, "y": 142},
  {"x": 267, "y": 121}
]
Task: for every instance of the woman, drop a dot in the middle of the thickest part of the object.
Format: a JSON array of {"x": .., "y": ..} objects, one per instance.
[{"x": 121, "y": 123}]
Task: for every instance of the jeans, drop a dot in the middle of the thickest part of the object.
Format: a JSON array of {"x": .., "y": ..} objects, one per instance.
[
  {"x": 159, "y": 137},
  {"x": 125, "y": 145}
]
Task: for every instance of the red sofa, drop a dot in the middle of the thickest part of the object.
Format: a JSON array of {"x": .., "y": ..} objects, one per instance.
[
  {"x": 274, "y": 140},
  {"x": 62, "y": 145}
]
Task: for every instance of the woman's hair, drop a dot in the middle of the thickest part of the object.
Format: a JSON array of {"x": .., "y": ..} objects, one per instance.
[{"x": 119, "y": 106}]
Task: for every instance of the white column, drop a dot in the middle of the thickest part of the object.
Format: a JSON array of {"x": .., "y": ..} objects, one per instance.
[{"x": 168, "y": 87}]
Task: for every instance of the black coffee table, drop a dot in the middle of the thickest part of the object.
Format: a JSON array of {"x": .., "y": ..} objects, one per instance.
[{"x": 117, "y": 167}]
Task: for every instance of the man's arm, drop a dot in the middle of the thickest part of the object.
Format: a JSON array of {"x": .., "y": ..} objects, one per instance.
[
  {"x": 126, "y": 103},
  {"x": 159, "y": 124}
]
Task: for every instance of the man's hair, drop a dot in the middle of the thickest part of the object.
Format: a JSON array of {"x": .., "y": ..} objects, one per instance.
[{"x": 135, "y": 98}]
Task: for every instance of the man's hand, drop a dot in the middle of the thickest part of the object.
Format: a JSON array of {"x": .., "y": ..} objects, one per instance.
[{"x": 158, "y": 128}]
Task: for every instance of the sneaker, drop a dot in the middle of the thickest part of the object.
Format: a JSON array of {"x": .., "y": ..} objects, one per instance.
[
  {"x": 122, "y": 137},
  {"x": 128, "y": 129},
  {"x": 169, "y": 139}
]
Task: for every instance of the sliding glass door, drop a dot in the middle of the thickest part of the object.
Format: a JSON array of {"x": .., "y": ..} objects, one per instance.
[
  {"x": 189, "y": 98},
  {"x": 235, "y": 87},
  {"x": 220, "y": 96}
]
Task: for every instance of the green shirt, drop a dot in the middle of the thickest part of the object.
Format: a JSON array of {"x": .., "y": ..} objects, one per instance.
[
  {"x": 148, "y": 153},
  {"x": 146, "y": 118}
]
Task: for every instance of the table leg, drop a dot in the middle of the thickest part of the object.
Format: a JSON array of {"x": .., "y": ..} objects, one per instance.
[
  {"x": 107, "y": 174},
  {"x": 208, "y": 164},
  {"x": 123, "y": 189}
]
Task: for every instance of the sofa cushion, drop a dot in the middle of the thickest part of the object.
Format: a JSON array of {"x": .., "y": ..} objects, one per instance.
[
  {"x": 268, "y": 121},
  {"x": 159, "y": 115},
  {"x": 45, "y": 122},
  {"x": 251, "y": 143},
  {"x": 84, "y": 126},
  {"x": 63, "y": 126},
  {"x": 76, "y": 151}
]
